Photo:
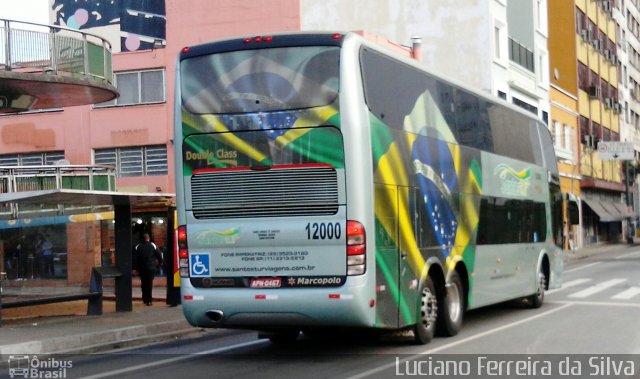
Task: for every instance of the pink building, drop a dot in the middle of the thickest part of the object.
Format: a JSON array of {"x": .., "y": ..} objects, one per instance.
[{"x": 132, "y": 133}]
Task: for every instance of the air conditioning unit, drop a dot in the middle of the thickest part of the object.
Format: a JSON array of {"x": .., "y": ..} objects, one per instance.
[
  {"x": 608, "y": 102},
  {"x": 589, "y": 35},
  {"x": 584, "y": 34},
  {"x": 606, "y": 6},
  {"x": 617, "y": 107},
  {"x": 596, "y": 44},
  {"x": 590, "y": 141},
  {"x": 608, "y": 54},
  {"x": 594, "y": 92}
]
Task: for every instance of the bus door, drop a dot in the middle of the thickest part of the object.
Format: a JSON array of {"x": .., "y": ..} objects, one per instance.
[{"x": 387, "y": 255}]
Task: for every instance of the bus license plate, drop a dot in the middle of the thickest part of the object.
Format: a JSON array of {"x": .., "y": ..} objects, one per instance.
[{"x": 266, "y": 282}]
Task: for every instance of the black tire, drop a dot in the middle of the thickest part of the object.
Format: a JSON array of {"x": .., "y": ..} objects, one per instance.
[
  {"x": 451, "y": 311},
  {"x": 536, "y": 300},
  {"x": 425, "y": 326}
]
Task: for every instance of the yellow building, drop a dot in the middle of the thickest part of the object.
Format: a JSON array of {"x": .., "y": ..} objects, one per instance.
[{"x": 584, "y": 111}]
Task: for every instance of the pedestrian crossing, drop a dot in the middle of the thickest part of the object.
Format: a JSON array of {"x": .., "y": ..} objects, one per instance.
[
  {"x": 588, "y": 288},
  {"x": 592, "y": 290}
]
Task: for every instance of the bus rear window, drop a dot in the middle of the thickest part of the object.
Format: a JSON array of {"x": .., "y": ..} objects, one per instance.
[{"x": 261, "y": 80}]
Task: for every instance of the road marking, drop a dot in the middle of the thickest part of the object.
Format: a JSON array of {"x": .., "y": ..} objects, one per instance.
[
  {"x": 456, "y": 343},
  {"x": 629, "y": 255},
  {"x": 594, "y": 303},
  {"x": 628, "y": 294},
  {"x": 172, "y": 360},
  {"x": 582, "y": 267},
  {"x": 570, "y": 284},
  {"x": 597, "y": 288}
]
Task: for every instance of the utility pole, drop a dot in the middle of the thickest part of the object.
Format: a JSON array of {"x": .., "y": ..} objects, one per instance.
[{"x": 629, "y": 173}]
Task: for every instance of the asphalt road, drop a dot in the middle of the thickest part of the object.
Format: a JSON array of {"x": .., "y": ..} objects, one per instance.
[{"x": 589, "y": 328}]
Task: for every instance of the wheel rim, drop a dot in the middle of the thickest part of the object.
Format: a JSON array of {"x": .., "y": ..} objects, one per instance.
[
  {"x": 454, "y": 301},
  {"x": 429, "y": 308}
]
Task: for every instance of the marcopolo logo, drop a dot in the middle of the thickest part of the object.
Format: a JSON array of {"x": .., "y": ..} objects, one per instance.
[
  {"x": 315, "y": 281},
  {"x": 25, "y": 366}
]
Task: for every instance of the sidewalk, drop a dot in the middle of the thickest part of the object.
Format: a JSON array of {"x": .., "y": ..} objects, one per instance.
[
  {"x": 575, "y": 256},
  {"x": 78, "y": 333},
  {"x": 75, "y": 332}
]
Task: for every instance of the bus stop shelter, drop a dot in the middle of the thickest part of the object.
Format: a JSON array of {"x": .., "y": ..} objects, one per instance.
[{"x": 67, "y": 202}]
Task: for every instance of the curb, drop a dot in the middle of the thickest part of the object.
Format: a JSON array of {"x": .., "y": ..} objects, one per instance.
[{"x": 94, "y": 342}]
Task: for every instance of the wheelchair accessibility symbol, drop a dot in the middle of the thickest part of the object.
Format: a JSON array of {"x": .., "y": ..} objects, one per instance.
[{"x": 200, "y": 265}]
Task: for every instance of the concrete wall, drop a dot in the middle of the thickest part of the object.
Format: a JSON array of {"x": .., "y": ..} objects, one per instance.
[{"x": 455, "y": 33}]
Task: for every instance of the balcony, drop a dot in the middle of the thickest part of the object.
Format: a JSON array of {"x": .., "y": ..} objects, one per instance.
[
  {"x": 43, "y": 67},
  {"x": 521, "y": 55},
  {"x": 15, "y": 179}
]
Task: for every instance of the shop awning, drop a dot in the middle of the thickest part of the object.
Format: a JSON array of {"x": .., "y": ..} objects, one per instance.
[
  {"x": 608, "y": 211},
  {"x": 619, "y": 210}
]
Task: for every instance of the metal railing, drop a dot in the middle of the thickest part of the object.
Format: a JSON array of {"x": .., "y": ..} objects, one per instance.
[
  {"x": 36, "y": 178},
  {"x": 521, "y": 55},
  {"x": 53, "y": 49}
]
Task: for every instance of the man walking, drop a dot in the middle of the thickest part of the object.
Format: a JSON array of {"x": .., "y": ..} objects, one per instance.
[{"x": 146, "y": 260}]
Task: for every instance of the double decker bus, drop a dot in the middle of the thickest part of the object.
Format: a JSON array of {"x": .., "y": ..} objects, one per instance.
[{"x": 325, "y": 182}]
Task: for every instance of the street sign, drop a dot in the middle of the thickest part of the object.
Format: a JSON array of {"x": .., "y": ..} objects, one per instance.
[{"x": 617, "y": 151}]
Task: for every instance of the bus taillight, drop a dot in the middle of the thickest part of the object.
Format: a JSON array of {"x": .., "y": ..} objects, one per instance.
[
  {"x": 183, "y": 251},
  {"x": 356, "y": 248}
]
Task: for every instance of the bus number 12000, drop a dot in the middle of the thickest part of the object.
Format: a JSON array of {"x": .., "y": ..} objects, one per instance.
[{"x": 323, "y": 230}]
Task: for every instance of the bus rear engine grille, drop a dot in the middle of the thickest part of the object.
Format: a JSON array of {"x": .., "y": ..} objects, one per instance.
[{"x": 271, "y": 193}]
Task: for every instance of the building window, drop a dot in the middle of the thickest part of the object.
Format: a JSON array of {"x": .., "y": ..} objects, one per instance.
[
  {"x": 568, "y": 138},
  {"x": 526, "y": 106},
  {"x": 543, "y": 68},
  {"x": 581, "y": 21},
  {"x": 583, "y": 77},
  {"x": 496, "y": 43},
  {"x": 585, "y": 131},
  {"x": 541, "y": 16},
  {"x": 134, "y": 161},
  {"x": 32, "y": 159},
  {"x": 138, "y": 87},
  {"x": 520, "y": 54},
  {"x": 500, "y": 40},
  {"x": 556, "y": 132}
]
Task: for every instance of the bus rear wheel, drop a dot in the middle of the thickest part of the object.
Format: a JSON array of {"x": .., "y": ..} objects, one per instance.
[
  {"x": 425, "y": 327},
  {"x": 450, "y": 314}
]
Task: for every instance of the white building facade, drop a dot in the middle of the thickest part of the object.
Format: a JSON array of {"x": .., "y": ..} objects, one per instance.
[{"x": 498, "y": 46}]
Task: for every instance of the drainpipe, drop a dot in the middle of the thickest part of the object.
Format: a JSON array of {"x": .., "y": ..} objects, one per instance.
[{"x": 416, "y": 48}]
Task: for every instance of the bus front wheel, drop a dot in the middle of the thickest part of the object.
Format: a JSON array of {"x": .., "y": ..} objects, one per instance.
[
  {"x": 536, "y": 300},
  {"x": 425, "y": 327},
  {"x": 451, "y": 312}
]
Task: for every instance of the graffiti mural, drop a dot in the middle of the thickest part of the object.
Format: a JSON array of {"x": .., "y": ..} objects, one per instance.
[{"x": 130, "y": 25}]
